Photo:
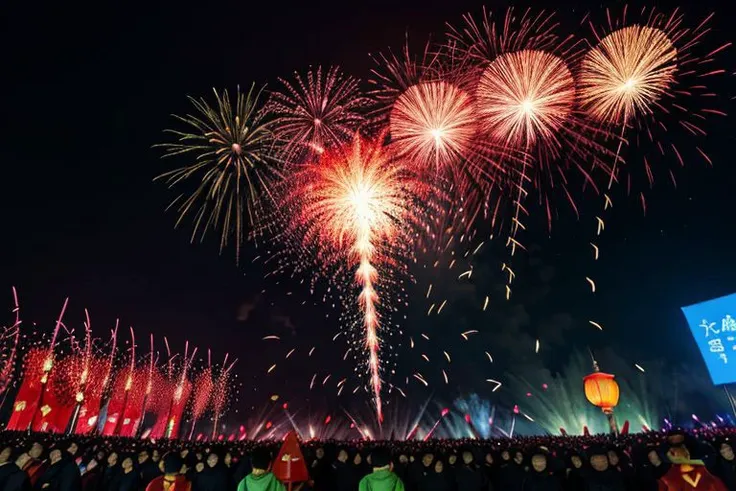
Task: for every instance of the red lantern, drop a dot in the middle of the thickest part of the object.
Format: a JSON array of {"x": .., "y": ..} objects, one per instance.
[{"x": 601, "y": 390}]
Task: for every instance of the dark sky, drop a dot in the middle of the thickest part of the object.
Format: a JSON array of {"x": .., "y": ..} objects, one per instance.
[{"x": 88, "y": 88}]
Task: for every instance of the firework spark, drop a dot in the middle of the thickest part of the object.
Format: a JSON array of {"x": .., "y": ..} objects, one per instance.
[
  {"x": 315, "y": 112},
  {"x": 227, "y": 147},
  {"x": 355, "y": 204}
]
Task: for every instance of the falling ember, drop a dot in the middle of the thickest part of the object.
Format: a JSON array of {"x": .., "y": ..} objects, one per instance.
[
  {"x": 272, "y": 368},
  {"x": 485, "y": 304},
  {"x": 596, "y": 325},
  {"x": 466, "y": 333},
  {"x": 536, "y": 347},
  {"x": 595, "y": 251},
  {"x": 498, "y": 384},
  {"x": 439, "y": 310},
  {"x": 447, "y": 355},
  {"x": 490, "y": 358},
  {"x": 640, "y": 368},
  {"x": 271, "y": 337},
  {"x": 421, "y": 379},
  {"x": 444, "y": 374},
  {"x": 591, "y": 283}
]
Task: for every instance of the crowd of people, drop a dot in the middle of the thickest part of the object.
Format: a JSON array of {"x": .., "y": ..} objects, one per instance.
[{"x": 667, "y": 460}]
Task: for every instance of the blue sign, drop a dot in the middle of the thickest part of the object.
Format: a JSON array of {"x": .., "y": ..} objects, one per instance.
[{"x": 713, "y": 324}]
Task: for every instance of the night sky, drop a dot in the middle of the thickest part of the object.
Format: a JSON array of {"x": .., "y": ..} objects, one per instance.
[{"x": 88, "y": 89}]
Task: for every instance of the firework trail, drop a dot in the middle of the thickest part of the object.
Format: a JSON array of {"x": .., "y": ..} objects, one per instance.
[
  {"x": 353, "y": 206},
  {"x": 227, "y": 145},
  {"x": 315, "y": 112}
]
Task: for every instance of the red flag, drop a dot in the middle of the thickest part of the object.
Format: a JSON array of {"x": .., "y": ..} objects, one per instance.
[
  {"x": 289, "y": 465},
  {"x": 625, "y": 429}
]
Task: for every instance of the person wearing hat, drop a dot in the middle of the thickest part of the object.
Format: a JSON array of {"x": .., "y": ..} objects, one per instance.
[
  {"x": 382, "y": 478},
  {"x": 173, "y": 479}
]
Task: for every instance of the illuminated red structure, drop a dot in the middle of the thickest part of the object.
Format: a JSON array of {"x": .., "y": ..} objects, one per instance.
[
  {"x": 602, "y": 391},
  {"x": 29, "y": 395}
]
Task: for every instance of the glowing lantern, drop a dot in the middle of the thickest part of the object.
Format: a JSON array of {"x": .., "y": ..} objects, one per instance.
[{"x": 602, "y": 391}]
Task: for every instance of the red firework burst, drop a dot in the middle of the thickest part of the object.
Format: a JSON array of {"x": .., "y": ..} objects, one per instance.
[
  {"x": 525, "y": 98},
  {"x": 433, "y": 124},
  {"x": 353, "y": 207},
  {"x": 315, "y": 112}
]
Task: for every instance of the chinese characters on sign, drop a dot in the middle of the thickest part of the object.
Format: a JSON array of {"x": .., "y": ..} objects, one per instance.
[
  {"x": 713, "y": 325},
  {"x": 726, "y": 331}
]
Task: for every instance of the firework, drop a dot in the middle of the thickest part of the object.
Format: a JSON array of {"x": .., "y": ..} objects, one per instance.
[
  {"x": 525, "y": 98},
  {"x": 433, "y": 124},
  {"x": 353, "y": 206},
  {"x": 227, "y": 147},
  {"x": 635, "y": 74},
  {"x": 315, "y": 112},
  {"x": 627, "y": 73}
]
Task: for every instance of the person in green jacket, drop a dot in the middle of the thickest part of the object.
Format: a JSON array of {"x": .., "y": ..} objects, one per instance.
[
  {"x": 261, "y": 478},
  {"x": 382, "y": 478}
]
